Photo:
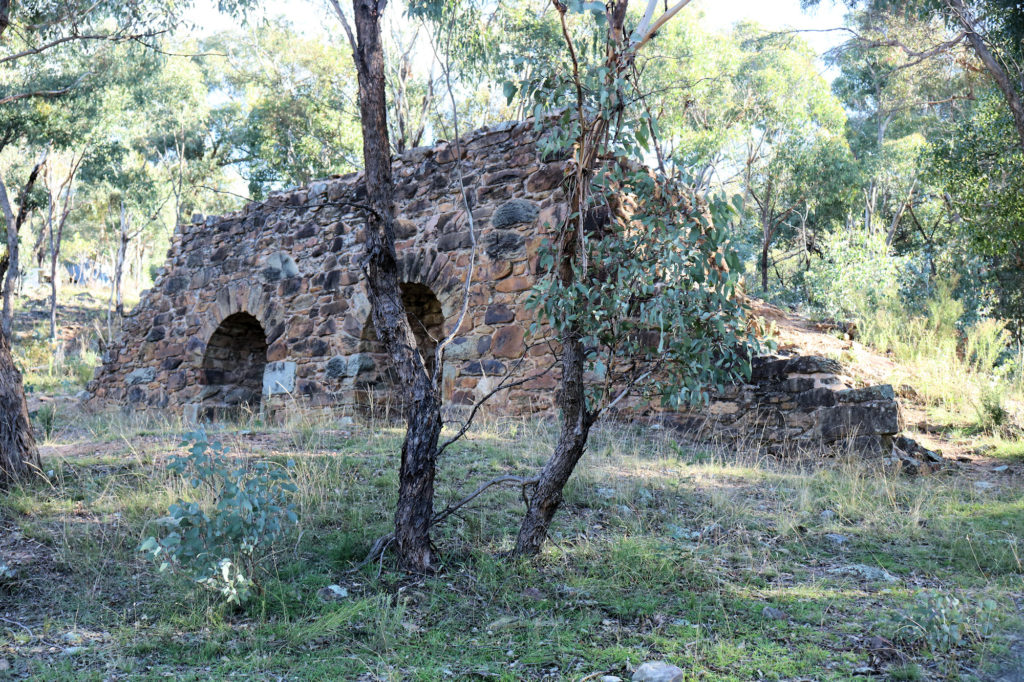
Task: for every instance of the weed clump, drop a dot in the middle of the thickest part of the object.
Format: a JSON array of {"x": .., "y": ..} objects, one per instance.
[{"x": 222, "y": 538}]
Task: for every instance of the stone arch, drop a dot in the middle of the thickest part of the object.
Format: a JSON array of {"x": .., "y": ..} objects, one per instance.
[
  {"x": 240, "y": 297},
  {"x": 232, "y": 367},
  {"x": 426, "y": 317},
  {"x": 432, "y": 294},
  {"x": 426, "y": 267}
]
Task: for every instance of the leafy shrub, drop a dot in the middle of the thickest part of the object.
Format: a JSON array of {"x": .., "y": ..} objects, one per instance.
[
  {"x": 986, "y": 343},
  {"x": 859, "y": 275},
  {"x": 222, "y": 543},
  {"x": 943, "y": 621},
  {"x": 45, "y": 419},
  {"x": 992, "y": 414}
]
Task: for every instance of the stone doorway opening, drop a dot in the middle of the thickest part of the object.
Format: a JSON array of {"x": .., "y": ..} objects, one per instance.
[
  {"x": 232, "y": 369},
  {"x": 375, "y": 388}
]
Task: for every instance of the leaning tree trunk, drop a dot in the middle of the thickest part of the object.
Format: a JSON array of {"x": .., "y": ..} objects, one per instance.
[
  {"x": 572, "y": 441},
  {"x": 1002, "y": 79},
  {"x": 765, "y": 251},
  {"x": 415, "y": 508},
  {"x": 19, "y": 457}
]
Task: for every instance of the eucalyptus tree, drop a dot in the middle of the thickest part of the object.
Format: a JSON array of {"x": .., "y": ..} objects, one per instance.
[
  {"x": 645, "y": 303},
  {"x": 993, "y": 30},
  {"x": 288, "y": 111},
  {"x": 39, "y": 35},
  {"x": 793, "y": 146}
]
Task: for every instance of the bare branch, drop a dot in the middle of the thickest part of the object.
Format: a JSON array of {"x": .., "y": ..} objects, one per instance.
[
  {"x": 111, "y": 37},
  {"x": 662, "y": 20},
  {"x": 455, "y": 506},
  {"x": 348, "y": 29}
]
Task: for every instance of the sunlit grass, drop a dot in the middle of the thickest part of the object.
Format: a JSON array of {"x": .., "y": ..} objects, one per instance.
[{"x": 661, "y": 551}]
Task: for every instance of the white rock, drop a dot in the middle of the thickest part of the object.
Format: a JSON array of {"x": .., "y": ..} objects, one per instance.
[
  {"x": 865, "y": 572},
  {"x": 332, "y": 593},
  {"x": 658, "y": 671}
]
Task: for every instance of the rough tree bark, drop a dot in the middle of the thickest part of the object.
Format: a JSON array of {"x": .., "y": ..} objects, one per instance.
[
  {"x": 572, "y": 441},
  {"x": 423, "y": 417},
  {"x": 992, "y": 65},
  {"x": 19, "y": 456}
]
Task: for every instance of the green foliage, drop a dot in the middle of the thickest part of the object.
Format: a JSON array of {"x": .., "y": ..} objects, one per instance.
[
  {"x": 288, "y": 111},
  {"x": 942, "y": 621},
  {"x": 221, "y": 543},
  {"x": 45, "y": 418},
  {"x": 858, "y": 277},
  {"x": 655, "y": 297},
  {"x": 991, "y": 408}
]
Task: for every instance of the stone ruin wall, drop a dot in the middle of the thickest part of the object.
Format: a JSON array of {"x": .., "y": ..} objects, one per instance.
[
  {"x": 267, "y": 305},
  {"x": 288, "y": 268}
]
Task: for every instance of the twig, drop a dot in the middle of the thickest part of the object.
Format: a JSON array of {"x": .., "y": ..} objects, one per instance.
[
  {"x": 439, "y": 351},
  {"x": 377, "y": 549},
  {"x": 476, "y": 407},
  {"x": 452, "y": 508}
]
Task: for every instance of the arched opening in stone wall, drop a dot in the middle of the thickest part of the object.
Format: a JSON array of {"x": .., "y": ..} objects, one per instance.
[
  {"x": 232, "y": 369},
  {"x": 375, "y": 387}
]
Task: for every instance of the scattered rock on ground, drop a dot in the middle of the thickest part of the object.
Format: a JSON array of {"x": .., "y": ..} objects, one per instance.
[
  {"x": 837, "y": 538},
  {"x": 332, "y": 593},
  {"x": 532, "y": 593},
  {"x": 884, "y": 651},
  {"x": 658, "y": 671},
  {"x": 864, "y": 572}
]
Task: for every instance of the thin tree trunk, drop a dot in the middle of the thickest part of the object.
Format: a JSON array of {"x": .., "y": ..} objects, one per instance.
[
  {"x": 423, "y": 417},
  {"x": 572, "y": 441},
  {"x": 56, "y": 238},
  {"x": 14, "y": 224},
  {"x": 5, "y": 15},
  {"x": 19, "y": 456},
  {"x": 54, "y": 248},
  {"x": 577, "y": 419},
  {"x": 995, "y": 69},
  {"x": 122, "y": 251}
]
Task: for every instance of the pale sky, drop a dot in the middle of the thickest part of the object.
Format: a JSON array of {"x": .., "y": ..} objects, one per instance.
[{"x": 312, "y": 16}]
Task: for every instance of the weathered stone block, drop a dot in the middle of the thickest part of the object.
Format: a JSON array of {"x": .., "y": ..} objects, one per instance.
[
  {"x": 867, "y": 394},
  {"x": 502, "y": 244},
  {"x": 279, "y": 377},
  {"x": 513, "y": 212},
  {"x": 845, "y": 421},
  {"x": 142, "y": 375},
  {"x": 498, "y": 314},
  {"x": 507, "y": 342},
  {"x": 816, "y": 397}
]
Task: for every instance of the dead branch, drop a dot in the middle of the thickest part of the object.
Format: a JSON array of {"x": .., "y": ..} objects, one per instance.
[{"x": 523, "y": 483}]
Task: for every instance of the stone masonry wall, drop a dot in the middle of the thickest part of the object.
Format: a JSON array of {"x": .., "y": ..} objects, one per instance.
[
  {"x": 292, "y": 263},
  {"x": 268, "y": 305}
]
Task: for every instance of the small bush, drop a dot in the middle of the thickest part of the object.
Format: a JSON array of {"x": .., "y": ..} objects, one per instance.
[
  {"x": 222, "y": 543},
  {"x": 942, "y": 621},
  {"x": 45, "y": 419},
  {"x": 992, "y": 414}
]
